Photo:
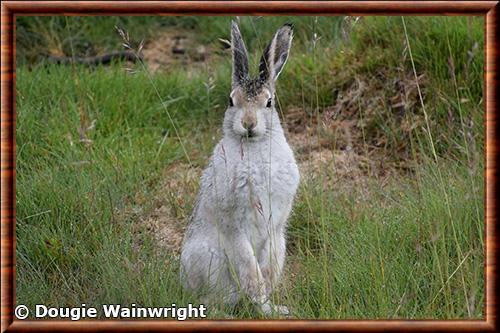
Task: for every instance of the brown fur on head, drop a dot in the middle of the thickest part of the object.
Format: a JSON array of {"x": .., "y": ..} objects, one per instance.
[{"x": 252, "y": 98}]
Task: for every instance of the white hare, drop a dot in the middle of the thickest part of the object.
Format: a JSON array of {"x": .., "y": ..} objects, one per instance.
[{"x": 235, "y": 242}]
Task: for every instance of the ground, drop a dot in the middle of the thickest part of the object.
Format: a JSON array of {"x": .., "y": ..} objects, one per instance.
[
  {"x": 339, "y": 147},
  {"x": 385, "y": 119}
]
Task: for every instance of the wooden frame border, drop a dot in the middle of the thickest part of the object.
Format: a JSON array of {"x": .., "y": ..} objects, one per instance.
[{"x": 9, "y": 9}]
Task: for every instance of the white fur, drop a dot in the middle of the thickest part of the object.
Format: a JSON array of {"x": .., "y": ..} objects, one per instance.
[{"x": 235, "y": 242}]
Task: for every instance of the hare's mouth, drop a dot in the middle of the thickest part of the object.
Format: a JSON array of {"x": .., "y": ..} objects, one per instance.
[
  {"x": 250, "y": 137},
  {"x": 251, "y": 134}
]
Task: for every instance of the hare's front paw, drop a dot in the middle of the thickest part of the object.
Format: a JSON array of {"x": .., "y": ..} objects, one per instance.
[{"x": 270, "y": 309}]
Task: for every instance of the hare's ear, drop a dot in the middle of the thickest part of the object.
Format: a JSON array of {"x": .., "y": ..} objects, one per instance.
[
  {"x": 276, "y": 53},
  {"x": 240, "y": 56}
]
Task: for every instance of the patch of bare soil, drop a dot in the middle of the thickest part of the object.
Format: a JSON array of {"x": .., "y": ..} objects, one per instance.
[
  {"x": 344, "y": 170},
  {"x": 344, "y": 144},
  {"x": 173, "y": 204},
  {"x": 173, "y": 48},
  {"x": 341, "y": 147}
]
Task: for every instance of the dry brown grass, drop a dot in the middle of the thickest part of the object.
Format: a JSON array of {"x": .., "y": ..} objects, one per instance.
[
  {"x": 172, "y": 48},
  {"x": 342, "y": 146}
]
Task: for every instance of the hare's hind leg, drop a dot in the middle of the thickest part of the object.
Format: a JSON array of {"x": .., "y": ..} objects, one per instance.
[{"x": 204, "y": 269}]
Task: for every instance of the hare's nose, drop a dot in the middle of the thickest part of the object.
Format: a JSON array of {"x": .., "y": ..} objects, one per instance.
[{"x": 249, "y": 125}]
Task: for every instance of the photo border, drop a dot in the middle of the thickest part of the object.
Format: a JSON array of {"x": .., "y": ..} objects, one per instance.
[{"x": 11, "y": 9}]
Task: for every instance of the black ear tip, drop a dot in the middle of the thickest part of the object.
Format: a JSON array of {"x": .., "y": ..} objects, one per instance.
[{"x": 290, "y": 25}]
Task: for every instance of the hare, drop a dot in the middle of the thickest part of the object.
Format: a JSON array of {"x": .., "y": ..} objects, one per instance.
[{"x": 235, "y": 242}]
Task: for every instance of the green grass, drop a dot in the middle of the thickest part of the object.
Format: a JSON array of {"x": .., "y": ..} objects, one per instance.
[
  {"x": 93, "y": 146},
  {"x": 392, "y": 256}
]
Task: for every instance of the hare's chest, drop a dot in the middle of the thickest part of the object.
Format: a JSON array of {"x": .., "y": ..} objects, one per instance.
[
  {"x": 266, "y": 189},
  {"x": 266, "y": 178}
]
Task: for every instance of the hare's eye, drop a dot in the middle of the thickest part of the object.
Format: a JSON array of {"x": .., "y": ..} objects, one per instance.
[
  {"x": 231, "y": 102},
  {"x": 269, "y": 103}
]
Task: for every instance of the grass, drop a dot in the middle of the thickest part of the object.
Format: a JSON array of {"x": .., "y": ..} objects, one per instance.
[
  {"x": 391, "y": 256},
  {"x": 403, "y": 238}
]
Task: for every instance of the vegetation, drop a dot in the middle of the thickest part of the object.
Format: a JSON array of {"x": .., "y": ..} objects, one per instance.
[{"x": 385, "y": 115}]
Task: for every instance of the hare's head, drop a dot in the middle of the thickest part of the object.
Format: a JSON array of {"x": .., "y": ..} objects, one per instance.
[{"x": 251, "y": 102}]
